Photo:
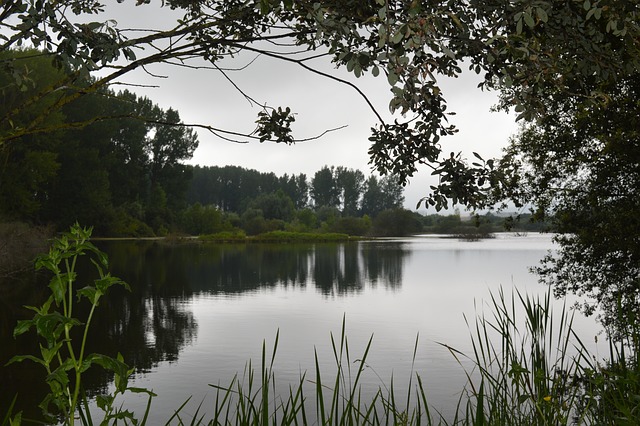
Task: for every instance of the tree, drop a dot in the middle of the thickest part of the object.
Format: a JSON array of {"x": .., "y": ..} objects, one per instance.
[
  {"x": 95, "y": 172},
  {"x": 323, "y": 188},
  {"x": 170, "y": 144},
  {"x": 198, "y": 220},
  {"x": 372, "y": 199},
  {"x": 26, "y": 169},
  {"x": 580, "y": 166},
  {"x": 350, "y": 184},
  {"x": 528, "y": 51},
  {"x": 275, "y": 205},
  {"x": 396, "y": 223},
  {"x": 392, "y": 192},
  {"x": 381, "y": 194},
  {"x": 297, "y": 188}
]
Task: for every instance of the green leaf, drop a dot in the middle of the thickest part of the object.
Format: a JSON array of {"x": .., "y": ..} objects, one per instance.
[
  {"x": 91, "y": 293},
  {"x": 448, "y": 52},
  {"x": 542, "y": 14},
  {"x": 20, "y": 358},
  {"x": 58, "y": 379},
  {"x": 104, "y": 402},
  {"x": 47, "y": 325},
  {"x": 49, "y": 353},
  {"x": 129, "y": 54},
  {"x": 141, "y": 390},
  {"x": 528, "y": 19},
  {"x": 397, "y": 37},
  {"x": 58, "y": 288},
  {"x": 598, "y": 12},
  {"x": 22, "y": 327},
  {"x": 392, "y": 77}
]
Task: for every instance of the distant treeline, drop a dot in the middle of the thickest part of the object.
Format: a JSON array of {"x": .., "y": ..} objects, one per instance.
[
  {"x": 334, "y": 199},
  {"x": 116, "y": 163},
  {"x": 481, "y": 226}
]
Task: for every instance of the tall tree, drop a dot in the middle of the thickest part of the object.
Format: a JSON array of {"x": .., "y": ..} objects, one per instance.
[
  {"x": 373, "y": 197},
  {"x": 350, "y": 184},
  {"x": 392, "y": 191},
  {"x": 323, "y": 188},
  {"x": 580, "y": 165},
  {"x": 296, "y": 187},
  {"x": 27, "y": 169},
  {"x": 83, "y": 173},
  {"x": 381, "y": 194},
  {"x": 130, "y": 177},
  {"x": 170, "y": 144}
]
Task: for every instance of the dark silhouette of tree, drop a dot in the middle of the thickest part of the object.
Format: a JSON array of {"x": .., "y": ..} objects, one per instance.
[
  {"x": 324, "y": 190},
  {"x": 350, "y": 183}
]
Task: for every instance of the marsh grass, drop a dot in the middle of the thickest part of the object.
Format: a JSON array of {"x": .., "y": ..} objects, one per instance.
[
  {"x": 528, "y": 367},
  {"x": 338, "y": 400},
  {"x": 522, "y": 370}
]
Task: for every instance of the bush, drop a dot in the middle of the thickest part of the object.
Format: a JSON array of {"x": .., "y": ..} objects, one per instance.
[
  {"x": 225, "y": 236},
  {"x": 284, "y": 236},
  {"x": 125, "y": 224},
  {"x": 358, "y": 226},
  {"x": 396, "y": 223}
]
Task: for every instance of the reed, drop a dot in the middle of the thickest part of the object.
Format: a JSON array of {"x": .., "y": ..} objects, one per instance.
[{"x": 522, "y": 370}]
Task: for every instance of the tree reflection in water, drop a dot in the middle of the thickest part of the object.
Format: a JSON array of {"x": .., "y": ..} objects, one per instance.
[{"x": 153, "y": 322}]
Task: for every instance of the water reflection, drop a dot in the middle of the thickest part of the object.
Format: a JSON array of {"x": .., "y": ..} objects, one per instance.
[
  {"x": 179, "y": 271},
  {"x": 153, "y": 323}
]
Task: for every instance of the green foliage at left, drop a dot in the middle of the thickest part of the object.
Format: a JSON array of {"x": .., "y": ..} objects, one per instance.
[{"x": 62, "y": 355}]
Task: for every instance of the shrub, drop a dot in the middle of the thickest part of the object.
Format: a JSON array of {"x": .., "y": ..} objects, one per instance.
[{"x": 396, "y": 223}]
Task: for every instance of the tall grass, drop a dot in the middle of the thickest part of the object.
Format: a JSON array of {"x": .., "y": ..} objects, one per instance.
[
  {"x": 337, "y": 401},
  {"x": 528, "y": 367},
  {"x": 523, "y": 369}
]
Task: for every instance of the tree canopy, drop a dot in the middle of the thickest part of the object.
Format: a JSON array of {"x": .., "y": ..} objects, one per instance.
[
  {"x": 522, "y": 49},
  {"x": 581, "y": 167},
  {"x": 128, "y": 168}
]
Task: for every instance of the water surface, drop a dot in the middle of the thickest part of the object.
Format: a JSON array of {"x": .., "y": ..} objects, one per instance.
[{"x": 198, "y": 312}]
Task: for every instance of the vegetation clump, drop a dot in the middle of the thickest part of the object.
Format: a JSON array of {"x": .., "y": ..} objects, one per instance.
[{"x": 224, "y": 237}]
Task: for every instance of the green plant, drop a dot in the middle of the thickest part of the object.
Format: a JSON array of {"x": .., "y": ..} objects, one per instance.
[
  {"x": 64, "y": 358},
  {"x": 523, "y": 371},
  {"x": 610, "y": 388},
  {"x": 337, "y": 399}
]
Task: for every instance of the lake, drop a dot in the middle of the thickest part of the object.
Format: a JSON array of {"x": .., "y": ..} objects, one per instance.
[{"x": 198, "y": 313}]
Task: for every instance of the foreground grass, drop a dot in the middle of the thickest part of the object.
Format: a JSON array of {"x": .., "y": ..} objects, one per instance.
[{"x": 528, "y": 368}]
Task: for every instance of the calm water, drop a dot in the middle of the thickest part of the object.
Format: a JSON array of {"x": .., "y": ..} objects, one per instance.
[{"x": 198, "y": 313}]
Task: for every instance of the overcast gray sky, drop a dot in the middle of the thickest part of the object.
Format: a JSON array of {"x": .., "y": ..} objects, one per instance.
[{"x": 205, "y": 97}]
